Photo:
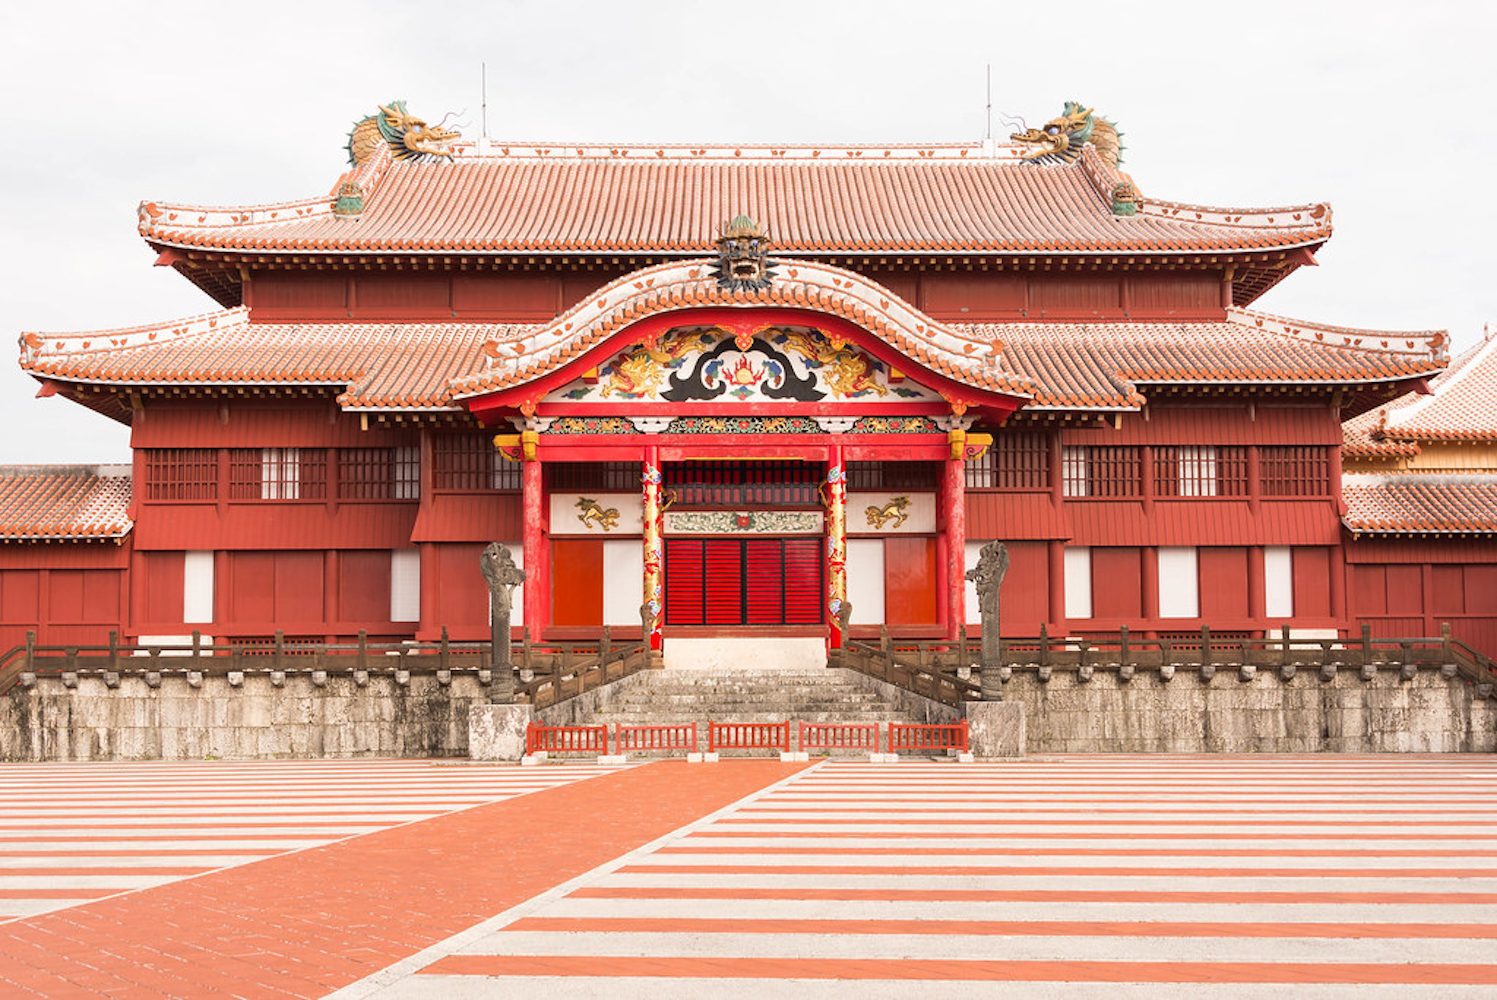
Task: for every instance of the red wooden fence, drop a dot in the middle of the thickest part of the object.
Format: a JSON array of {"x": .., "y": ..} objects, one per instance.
[
  {"x": 748, "y": 736},
  {"x": 839, "y": 736},
  {"x": 566, "y": 739},
  {"x": 916, "y": 738},
  {"x": 682, "y": 737}
]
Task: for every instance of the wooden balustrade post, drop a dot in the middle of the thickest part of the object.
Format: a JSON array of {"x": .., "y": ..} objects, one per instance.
[
  {"x": 1283, "y": 645},
  {"x": 1445, "y": 655},
  {"x": 1044, "y": 645},
  {"x": 30, "y": 648},
  {"x": 1366, "y": 643},
  {"x": 114, "y": 649},
  {"x": 605, "y": 646},
  {"x": 525, "y": 648},
  {"x": 363, "y": 650},
  {"x": 280, "y": 648},
  {"x": 1123, "y": 645},
  {"x": 197, "y": 644},
  {"x": 1205, "y": 645}
]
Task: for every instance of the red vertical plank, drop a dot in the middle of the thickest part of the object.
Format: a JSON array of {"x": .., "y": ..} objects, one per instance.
[
  {"x": 1224, "y": 576},
  {"x": 1117, "y": 584},
  {"x": 910, "y": 580},
  {"x": 1312, "y": 582},
  {"x": 577, "y": 581}
]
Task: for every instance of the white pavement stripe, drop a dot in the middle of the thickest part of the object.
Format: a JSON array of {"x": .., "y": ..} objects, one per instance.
[
  {"x": 1100, "y": 884},
  {"x": 1015, "y": 948},
  {"x": 767, "y": 855}
]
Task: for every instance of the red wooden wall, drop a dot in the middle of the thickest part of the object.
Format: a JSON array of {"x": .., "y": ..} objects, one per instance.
[
  {"x": 280, "y": 296},
  {"x": 68, "y": 593}
]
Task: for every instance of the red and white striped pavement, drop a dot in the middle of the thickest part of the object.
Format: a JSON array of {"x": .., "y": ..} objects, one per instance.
[
  {"x": 75, "y": 833},
  {"x": 1118, "y": 876}
]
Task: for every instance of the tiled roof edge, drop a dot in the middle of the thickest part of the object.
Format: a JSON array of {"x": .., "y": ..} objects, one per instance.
[
  {"x": 38, "y": 347},
  {"x": 1433, "y": 343}
]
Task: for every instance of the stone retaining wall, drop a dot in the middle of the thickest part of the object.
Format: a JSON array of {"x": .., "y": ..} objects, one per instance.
[
  {"x": 181, "y": 715},
  {"x": 1387, "y": 708}
]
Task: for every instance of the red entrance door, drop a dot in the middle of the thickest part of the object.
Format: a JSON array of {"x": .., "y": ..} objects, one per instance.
[{"x": 743, "y": 581}]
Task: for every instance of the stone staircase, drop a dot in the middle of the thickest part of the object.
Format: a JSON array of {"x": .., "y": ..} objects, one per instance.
[{"x": 739, "y": 694}]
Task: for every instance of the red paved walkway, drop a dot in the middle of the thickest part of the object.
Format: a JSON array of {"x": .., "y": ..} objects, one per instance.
[{"x": 301, "y": 925}]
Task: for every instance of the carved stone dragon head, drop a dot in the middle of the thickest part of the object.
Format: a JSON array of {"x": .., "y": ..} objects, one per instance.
[
  {"x": 743, "y": 256},
  {"x": 1061, "y": 139},
  {"x": 408, "y": 137}
]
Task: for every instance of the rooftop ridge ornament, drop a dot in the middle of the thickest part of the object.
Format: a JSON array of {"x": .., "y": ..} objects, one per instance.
[
  {"x": 743, "y": 263},
  {"x": 1061, "y": 140},
  {"x": 408, "y": 137}
]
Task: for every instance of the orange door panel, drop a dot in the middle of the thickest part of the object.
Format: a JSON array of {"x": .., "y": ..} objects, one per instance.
[{"x": 577, "y": 581}]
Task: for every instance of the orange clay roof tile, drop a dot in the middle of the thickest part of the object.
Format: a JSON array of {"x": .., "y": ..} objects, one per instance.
[
  {"x": 1420, "y": 503},
  {"x": 600, "y": 201},
  {"x": 53, "y": 502}
]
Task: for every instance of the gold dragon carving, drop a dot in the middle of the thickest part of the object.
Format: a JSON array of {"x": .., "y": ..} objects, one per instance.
[
  {"x": 892, "y": 514},
  {"x": 846, "y": 372},
  {"x": 593, "y": 512}
]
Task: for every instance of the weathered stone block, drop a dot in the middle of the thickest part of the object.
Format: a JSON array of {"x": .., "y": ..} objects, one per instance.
[
  {"x": 996, "y": 728},
  {"x": 497, "y": 732}
]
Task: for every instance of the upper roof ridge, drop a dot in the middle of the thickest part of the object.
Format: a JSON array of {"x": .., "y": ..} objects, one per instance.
[{"x": 38, "y": 345}]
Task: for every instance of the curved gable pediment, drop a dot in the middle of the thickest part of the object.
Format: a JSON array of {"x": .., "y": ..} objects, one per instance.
[{"x": 642, "y": 307}]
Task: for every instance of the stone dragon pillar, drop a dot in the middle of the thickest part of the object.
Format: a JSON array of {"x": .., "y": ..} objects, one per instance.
[
  {"x": 835, "y": 498},
  {"x": 652, "y": 609}
]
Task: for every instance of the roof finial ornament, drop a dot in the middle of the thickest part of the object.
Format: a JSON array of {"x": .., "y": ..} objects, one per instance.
[
  {"x": 408, "y": 137},
  {"x": 1061, "y": 139},
  {"x": 743, "y": 262}
]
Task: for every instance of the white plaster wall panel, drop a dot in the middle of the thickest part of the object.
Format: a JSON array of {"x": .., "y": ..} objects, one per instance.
[
  {"x": 197, "y": 587},
  {"x": 865, "y": 580},
  {"x": 623, "y": 580},
  {"x": 405, "y": 585},
  {"x": 1179, "y": 582},
  {"x": 624, "y": 512},
  {"x": 865, "y": 509},
  {"x": 1278, "y": 581},
  {"x": 972, "y": 556},
  {"x": 1078, "y": 581}
]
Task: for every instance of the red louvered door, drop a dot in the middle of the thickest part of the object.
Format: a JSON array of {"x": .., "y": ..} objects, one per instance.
[{"x": 743, "y": 581}]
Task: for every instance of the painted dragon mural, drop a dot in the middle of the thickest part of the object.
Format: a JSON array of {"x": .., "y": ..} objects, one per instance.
[
  {"x": 408, "y": 137},
  {"x": 1061, "y": 139}
]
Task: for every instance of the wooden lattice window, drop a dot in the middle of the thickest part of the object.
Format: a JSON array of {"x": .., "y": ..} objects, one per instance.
[
  {"x": 1200, "y": 470},
  {"x": 1016, "y": 461},
  {"x": 744, "y": 484},
  {"x": 893, "y": 475},
  {"x": 616, "y": 477},
  {"x": 278, "y": 474},
  {"x": 1108, "y": 471},
  {"x": 182, "y": 474},
  {"x": 470, "y": 462},
  {"x": 379, "y": 473},
  {"x": 1294, "y": 471}
]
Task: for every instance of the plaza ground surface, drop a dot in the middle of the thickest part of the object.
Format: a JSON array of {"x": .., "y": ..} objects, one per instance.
[{"x": 1115, "y": 876}]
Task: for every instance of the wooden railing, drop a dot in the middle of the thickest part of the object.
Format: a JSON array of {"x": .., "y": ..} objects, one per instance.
[
  {"x": 946, "y": 670},
  {"x": 548, "y": 672}
]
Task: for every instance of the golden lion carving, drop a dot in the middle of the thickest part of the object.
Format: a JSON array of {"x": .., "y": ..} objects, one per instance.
[
  {"x": 594, "y": 513},
  {"x": 891, "y": 515}
]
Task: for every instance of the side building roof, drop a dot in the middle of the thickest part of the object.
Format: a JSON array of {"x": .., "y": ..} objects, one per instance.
[
  {"x": 1420, "y": 504},
  {"x": 1460, "y": 406},
  {"x": 64, "y": 502}
]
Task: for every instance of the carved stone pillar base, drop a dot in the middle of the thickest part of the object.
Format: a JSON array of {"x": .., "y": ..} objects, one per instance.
[
  {"x": 996, "y": 728},
  {"x": 497, "y": 732}
]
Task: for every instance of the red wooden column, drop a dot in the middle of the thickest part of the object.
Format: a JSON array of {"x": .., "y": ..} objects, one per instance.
[
  {"x": 1055, "y": 554},
  {"x": 533, "y": 538},
  {"x": 954, "y": 494},
  {"x": 1257, "y": 587},
  {"x": 654, "y": 542},
  {"x": 836, "y": 541}
]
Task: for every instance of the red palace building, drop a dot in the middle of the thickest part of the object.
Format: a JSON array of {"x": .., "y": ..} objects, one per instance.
[{"x": 711, "y": 392}]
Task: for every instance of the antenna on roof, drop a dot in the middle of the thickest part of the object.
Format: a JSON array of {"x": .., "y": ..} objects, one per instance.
[
  {"x": 989, "y": 134},
  {"x": 484, "y": 88}
]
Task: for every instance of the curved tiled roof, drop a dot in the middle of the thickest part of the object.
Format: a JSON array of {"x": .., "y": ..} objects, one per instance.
[
  {"x": 1461, "y": 404},
  {"x": 1420, "y": 504},
  {"x": 424, "y": 365},
  {"x": 1103, "y": 364},
  {"x": 64, "y": 502},
  {"x": 531, "y": 198},
  {"x": 798, "y": 284}
]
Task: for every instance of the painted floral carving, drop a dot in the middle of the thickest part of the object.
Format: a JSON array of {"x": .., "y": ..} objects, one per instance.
[{"x": 758, "y": 522}]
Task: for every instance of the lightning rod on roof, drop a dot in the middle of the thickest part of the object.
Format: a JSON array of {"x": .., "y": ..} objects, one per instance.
[
  {"x": 483, "y": 69},
  {"x": 989, "y": 134}
]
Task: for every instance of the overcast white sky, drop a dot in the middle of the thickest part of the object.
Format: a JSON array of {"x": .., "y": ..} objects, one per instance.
[{"x": 1383, "y": 109}]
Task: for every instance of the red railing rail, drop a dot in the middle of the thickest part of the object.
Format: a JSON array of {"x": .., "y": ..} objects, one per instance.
[
  {"x": 748, "y": 736},
  {"x": 566, "y": 739},
  {"x": 906, "y": 738},
  {"x": 645, "y": 738},
  {"x": 839, "y": 736}
]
